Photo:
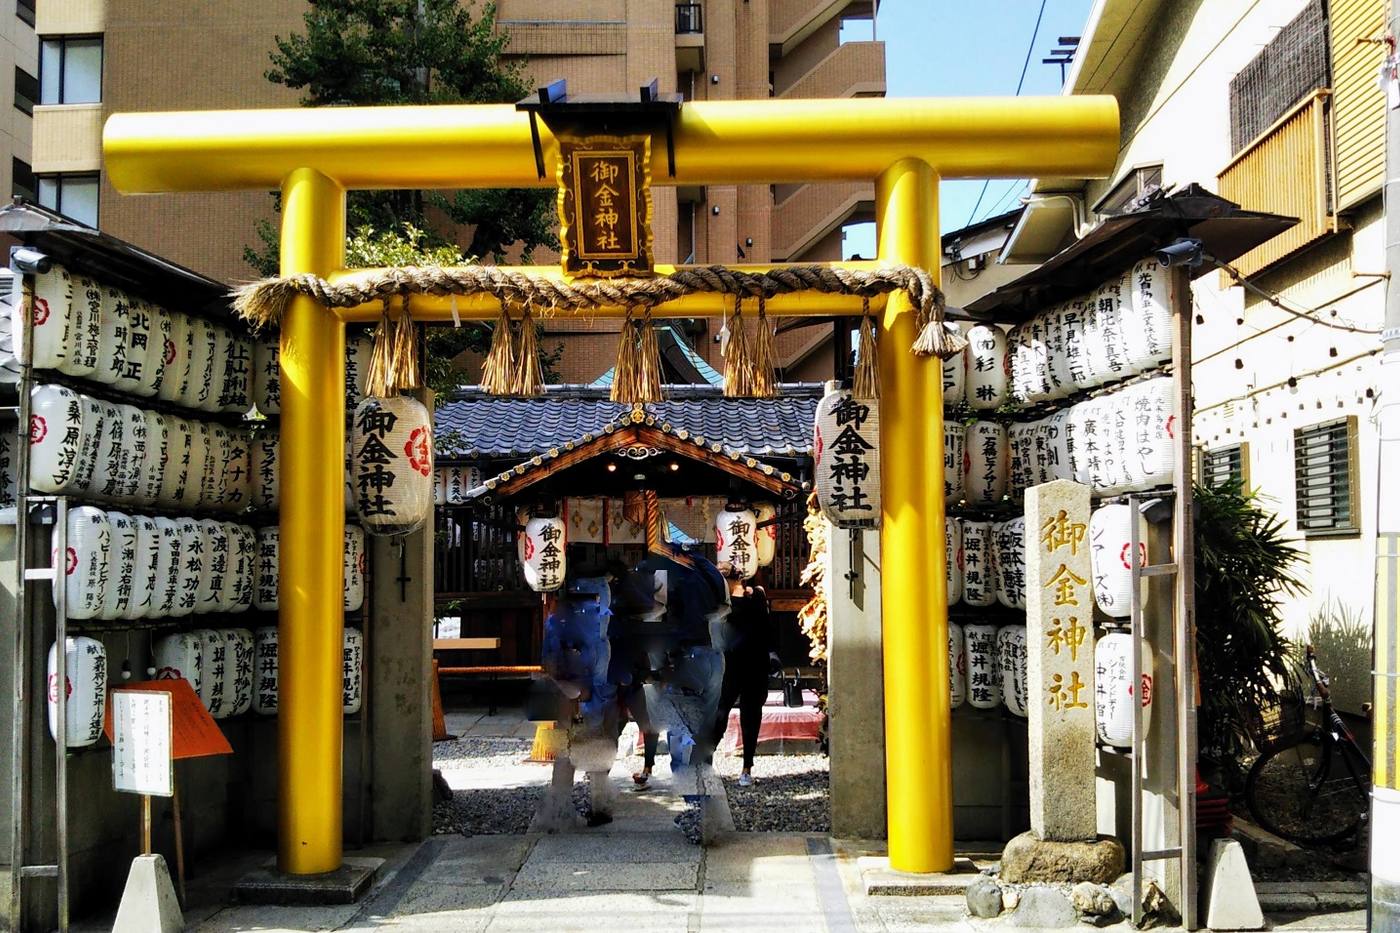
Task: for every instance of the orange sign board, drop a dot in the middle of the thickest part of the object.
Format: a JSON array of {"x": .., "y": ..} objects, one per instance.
[{"x": 193, "y": 732}]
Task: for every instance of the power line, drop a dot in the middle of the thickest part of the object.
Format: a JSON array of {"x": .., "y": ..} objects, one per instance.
[
  {"x": 1030, "y": 49},
  {"x": 1305, "y": 314}
]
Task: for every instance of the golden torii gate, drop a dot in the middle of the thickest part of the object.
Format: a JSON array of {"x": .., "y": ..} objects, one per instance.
[{"x": 315, "y": 155}]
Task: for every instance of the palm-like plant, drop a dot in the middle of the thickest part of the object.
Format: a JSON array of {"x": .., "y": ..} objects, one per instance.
[{"x": 1244, "y": 570}]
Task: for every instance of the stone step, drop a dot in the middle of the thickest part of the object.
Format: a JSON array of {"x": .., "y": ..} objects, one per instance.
[{"x": 1307, "y": 896}]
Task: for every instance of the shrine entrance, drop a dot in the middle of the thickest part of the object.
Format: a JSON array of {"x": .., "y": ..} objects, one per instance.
[{"x": 315, "y": 156}]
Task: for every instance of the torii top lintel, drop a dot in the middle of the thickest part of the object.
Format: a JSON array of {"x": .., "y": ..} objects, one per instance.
[{"x": 716, "y": 142}]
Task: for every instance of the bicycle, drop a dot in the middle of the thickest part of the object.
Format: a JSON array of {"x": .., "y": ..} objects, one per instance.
[{"x": 1313, "y": 786}]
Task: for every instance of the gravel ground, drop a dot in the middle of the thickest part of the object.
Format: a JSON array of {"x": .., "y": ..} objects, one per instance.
[
  {"x": 495, "y": 811},
  {"x": 789, "y": 794},
  {"x": 482, "y": 752}
]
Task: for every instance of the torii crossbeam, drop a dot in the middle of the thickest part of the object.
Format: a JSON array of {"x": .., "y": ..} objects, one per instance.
[{"x": 315, "y": 155}]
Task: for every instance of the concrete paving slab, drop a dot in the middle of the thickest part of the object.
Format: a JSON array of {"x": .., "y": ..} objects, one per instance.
[
  {"x": 548, "y": 878},
  {"x": 763, "y": 869},
  {"x": 271, "y": 919},
  {"x": 565, "y": 920},
  {"x": 478, "y": 860},
  {"x": 616, "y": 847},
  {"x": 599, "y": 904},
  {"x": 766, "y": 899},
  {"x": 433, "y": 898},
  {"x": 1347, "y": 921}
]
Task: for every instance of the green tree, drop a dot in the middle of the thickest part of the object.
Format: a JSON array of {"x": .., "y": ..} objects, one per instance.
[{"x": 372, "y": 52}]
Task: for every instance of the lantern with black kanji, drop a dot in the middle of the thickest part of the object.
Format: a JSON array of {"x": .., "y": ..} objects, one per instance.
[
  {"x": 1115, "y": 694},
  {"x": 736, "y": 539},
  {"x": 1011, "y": 663},
  {"x": 85, "y": 672},
  {"x": 179, "y": 656},
  {"x": 978, "y": 588},
  {"x": 265, "y": 672},
  {"x": 1110, "y": 553},
  {"x": 986, "y": 462},
  {"x": 392, "y": 457},
  {"x": 957, "y": 666},
  {"x": 846, "y": 459},
  {"x": 238, "y": 689},
  {"x": 987, "y": 367},
  {"x": 56, "y": 438},
  {"x": 542, "y": 553},
  {"x": 983, "y": 677},
  {"x": 952, "y": 559},
  {"x": 353, "y": 665},
  {"x": 87, "y": 563}
]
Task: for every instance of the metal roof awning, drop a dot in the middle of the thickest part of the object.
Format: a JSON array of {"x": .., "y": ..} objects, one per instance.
[{"x": 1227, "y": 230}]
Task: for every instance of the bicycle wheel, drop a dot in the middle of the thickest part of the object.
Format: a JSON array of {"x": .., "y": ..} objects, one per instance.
[{"x": 1304, "y": 791}]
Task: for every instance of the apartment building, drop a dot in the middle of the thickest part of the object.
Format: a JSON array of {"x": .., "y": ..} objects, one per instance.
[
  {"x": 103, "y": 57},
  {"x": 1274, "y": 105},
  {"x": 19, "y": 56}
]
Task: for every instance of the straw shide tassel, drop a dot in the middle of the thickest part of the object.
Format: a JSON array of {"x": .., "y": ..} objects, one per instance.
[
  {"x": 738, "y": 358},
  {"x": 765, "y": 379},
  {"x": 529, "y": 376},
  {"x": 637, "y": 377},
  {"x": 866, "y": 381},
  {"x": 498, "y": 372}
]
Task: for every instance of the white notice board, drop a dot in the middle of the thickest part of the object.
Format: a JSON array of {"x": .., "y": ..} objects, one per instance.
[{"x": 142, "y": 762}]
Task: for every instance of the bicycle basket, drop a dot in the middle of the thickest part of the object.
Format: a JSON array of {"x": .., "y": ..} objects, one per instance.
[{"x": 1287, "y": 717}]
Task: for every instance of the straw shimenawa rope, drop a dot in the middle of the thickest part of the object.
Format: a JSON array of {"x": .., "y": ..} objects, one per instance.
[{"x": 263, "y": 302}]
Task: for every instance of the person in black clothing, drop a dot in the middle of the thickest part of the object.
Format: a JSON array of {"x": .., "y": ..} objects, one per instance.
[{"x": 750, "y": 655}]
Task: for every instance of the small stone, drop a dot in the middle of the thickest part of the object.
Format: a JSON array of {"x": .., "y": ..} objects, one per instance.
[
  {"x": 442, "y": 791},
  {"x": 1010, "y": 898},
  {"x": 984, "y": 898},
  {"x": 1122, "y": 891},
  {"x": 1028, "y": 859},
  {"x": 1093, "y": 900},
  {"x": 1043, "y": 906}
]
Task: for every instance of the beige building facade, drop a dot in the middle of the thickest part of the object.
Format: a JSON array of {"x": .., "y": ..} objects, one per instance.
[
  {"x": 19, "y": 58},
  {"x": 158, "y": 55}
]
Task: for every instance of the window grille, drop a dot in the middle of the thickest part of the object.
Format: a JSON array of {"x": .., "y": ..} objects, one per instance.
[
  {"x": 1324, "y": 458},
  {"x": 1225, "y": 465},
  {"x": 1292, "y": 65}
]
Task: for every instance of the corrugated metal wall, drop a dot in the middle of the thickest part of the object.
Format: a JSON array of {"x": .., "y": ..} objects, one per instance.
[{"x": 1358, "y": 105}]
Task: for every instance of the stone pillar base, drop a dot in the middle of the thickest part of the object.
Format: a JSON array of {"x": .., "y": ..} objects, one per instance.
[{"x": 1027, "y": 858}]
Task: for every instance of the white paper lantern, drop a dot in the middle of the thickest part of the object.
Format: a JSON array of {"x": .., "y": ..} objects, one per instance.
[
  {"x": 440, "y": 487},
  {"x": 56, "y": 438},
  {"x": 121, "y": 566},
  {"x": 1011, "y": 664},
  {"x": 234, "y": 484},
  {"x": 179, "y": 359},
  {"x": 156, "y": 460},
  {"x": 766, "y": 535},
  {"x": 846, "y": 459},
  {"x": 191, "y": 566},
  {"x": 211, "y": 349},
  {"x": 203, "y": 465},
  {"x": 236, "y": 374},
  {"x": 1149, "y": 330},
  {"x": 352, "y": 690},
  {"x": 351, "y": 496},
  {"x": 1059, "y": 321},
  {"x": 1151, "y": 455},
  {"x": 85, "y": 690},
  {"x": 213, "y": 675},
  {"x": 1059, "y": 438},
  {"x": 952, "y": 559},
  {"x": 264, "y": 475},
  {"x": 158, "y": 349},
  {"x": 125, "y": 332},
  {"x": 213, "y": 568},
  {"x": 95, "y": 469},
  {"x": 988, "y": 367},
  {"x": 175, "y": 487},
  {"x": 1022, "y": 368},
  {"x": 145, "y": 582},
  {"x": 1114, "y": 693},
  {"x": 393, "y": 453},
  {"x": 457, "y": 481},
  {"x": 978, "y": 587},
  {"x": 265, "y": 671},
  {"x": 1085, "y": 429},
  {"x": 169, "y": 560},
  {"x": 1108, "y": 350},
  {"x": 267, "y": 375},
  {"x": 1114, "y": 421},
  {"x": 543, "y": 546},
  {"x": 9, "y": 471},
  {"x": 986, "y": 462},
  {"x": 1009, "y": 562},
  {"x": 955, "y": 374},
  {"x": 1110, "y": 552},
  {"x": 1074, "y": 358},
  {"x": 957, "y": 666},
  {"x": 265, "y": 589},
  {"x": 179, "y": 656},
  {"x": 106, "y": 476},
  {"x": 954, "y": 451},
  {"x": 53, "y": 329},
  {"x": 1037, "y": 336},
  {"x": 983, "y": 677},
  {"x": 85, "y": 336},
  {"x": 87, "y": 565},
  {"x": 736, "y": 540},
  {"x": 218, "y": 450},
  {"x": 131, "y": 454},
  {"x": 243, "y": 544},
  {"x": 1022, "y": 472},
  {"x": 238, "y": 671},
  {"x": 354, "y": 568},
  {"x": 358, "y": 348}
]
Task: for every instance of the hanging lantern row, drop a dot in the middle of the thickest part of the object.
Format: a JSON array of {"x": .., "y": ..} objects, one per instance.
[
  {"x": 233, "y": 670},
  {"x": 266, "y": 592},
  {"x": 452, "y": 484},
  {"x": 79, "y": 445},
  {"x": 85, "y": 329},
  {"x": 987, "y": 666},
  {"x": 1120, "y": 442},
  {"x": 267, "y": 377},
  {"x": 391, "y": 449}
]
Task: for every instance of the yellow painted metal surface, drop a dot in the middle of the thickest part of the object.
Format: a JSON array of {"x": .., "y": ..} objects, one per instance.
[
  {"x": 1284, "y": 171},
  {"x": 1358, "y": 107},
  {"x": 310, "y": 617},
  {"x": 484, "y": 307},
  {"x": 717, "y": 142},
  {"x": 1387, "y": 690},
  {"x": 914, "y": 604}
]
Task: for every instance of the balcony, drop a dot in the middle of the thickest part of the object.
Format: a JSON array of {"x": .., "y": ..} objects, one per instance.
[
  {"x": 856, "y": 69},
  {"x": 67, "y": 138},
  {"x": 792, "y": 21},
  {"x": 1284, "y": 171},
  {"x": 808, "y": 214},
  {"x": 690, "y": 37}
]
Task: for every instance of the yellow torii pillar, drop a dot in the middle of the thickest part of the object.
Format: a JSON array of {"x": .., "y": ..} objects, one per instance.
[{"x": 315, "y": 155}]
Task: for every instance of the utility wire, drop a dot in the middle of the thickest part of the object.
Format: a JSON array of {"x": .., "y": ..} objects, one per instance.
[
  {"x": 1305, "y": 314},
  {"x": 1030, "y": 49}
]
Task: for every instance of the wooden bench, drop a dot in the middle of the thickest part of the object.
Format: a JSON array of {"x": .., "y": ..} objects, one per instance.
[{"x": 492, "y": 670}]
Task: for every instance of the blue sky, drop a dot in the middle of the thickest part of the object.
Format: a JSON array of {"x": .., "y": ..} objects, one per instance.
[{"x": 943, "y": 48}]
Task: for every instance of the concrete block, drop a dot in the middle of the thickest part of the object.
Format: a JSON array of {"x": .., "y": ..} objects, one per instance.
[
  {"x": 149, "y": 904},
  {"x": 346, "y": 885},
  {"x": 1231, "y": 903},
  {"x": 879, "y": 879}
]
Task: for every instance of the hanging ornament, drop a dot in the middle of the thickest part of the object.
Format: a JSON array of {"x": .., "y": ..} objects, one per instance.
[
  {"x": 983, "y": 676},
  {"x": 978, "y": 587},
  {"x": 541, "y": 547},
  {"x": 846, "y": 458},
  {"x": 986, "y": 462},
  {"x": 736, "y": 539},
  {"x": 498, "y": 371},
  {"x": 392, "y": 447},
  {"x": 637, "y": 375},
  {"x": 85, "y": 690},
  {"x": 988, "y": 367},
  {"x": 1011, "y": 664},
  {"x": 952, "y": 559},
  {"x": 765, "y": 377},
  {"x": 865, "y": 382},
  {"x": 1114, "y": 693},
  {"x": 957, "y": 666},
  {"x": 265, "y": 657},
  {"x": 1110, "y": 551},
  {"x": 738, "y": 357}
]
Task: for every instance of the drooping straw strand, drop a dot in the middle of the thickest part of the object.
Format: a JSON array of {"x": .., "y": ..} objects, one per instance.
[
  {"x": 529, "y": 374},
  {"x": 498, "y": 372},
  {"x": 866, "y": 381},
  {"x": 765, "y": 378}
]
